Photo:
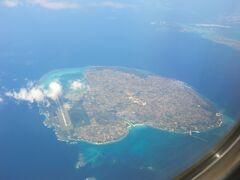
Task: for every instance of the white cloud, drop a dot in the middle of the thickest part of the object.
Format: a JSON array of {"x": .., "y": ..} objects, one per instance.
[
  {"x": 31, "y": 95},
  {"x": 48, "y": 4},
  {"x": 35, "y": 93},
  {"x": 113, "y": 5},
  {"x": 75, "y": 85},
  {"x": 55, "y": 5},
  {"x": 11, "y": 3},
  {"x": 54, "y": 90},
  {"x": 1, "y": 100},
  {"x": 212, "y": 26},
  {"x": 66, "y": 4}
]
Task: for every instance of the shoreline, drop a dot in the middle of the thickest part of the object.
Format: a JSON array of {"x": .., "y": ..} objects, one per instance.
[
  {"x": 179, "y": 128},
  {"x": 130, "y": 127},
  {"x": 133, "y": 126}
]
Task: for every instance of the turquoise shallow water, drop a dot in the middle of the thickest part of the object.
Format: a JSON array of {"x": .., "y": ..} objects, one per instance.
[
  {"x": 148, "y": 153},
  {"x": 31, "y": 46},
  {"x": 145, "y": 153},
  {"x": 46, "y": 79}
]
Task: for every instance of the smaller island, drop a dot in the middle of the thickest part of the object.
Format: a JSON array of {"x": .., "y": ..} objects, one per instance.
[{"x": 100, "y": 104}]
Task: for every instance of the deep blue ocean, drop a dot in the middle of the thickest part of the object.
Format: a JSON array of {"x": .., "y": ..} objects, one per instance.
[{"x": 33, "y": 46}]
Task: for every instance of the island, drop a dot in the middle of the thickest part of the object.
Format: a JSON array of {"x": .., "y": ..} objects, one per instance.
[{"x": 100, "y": 104}]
